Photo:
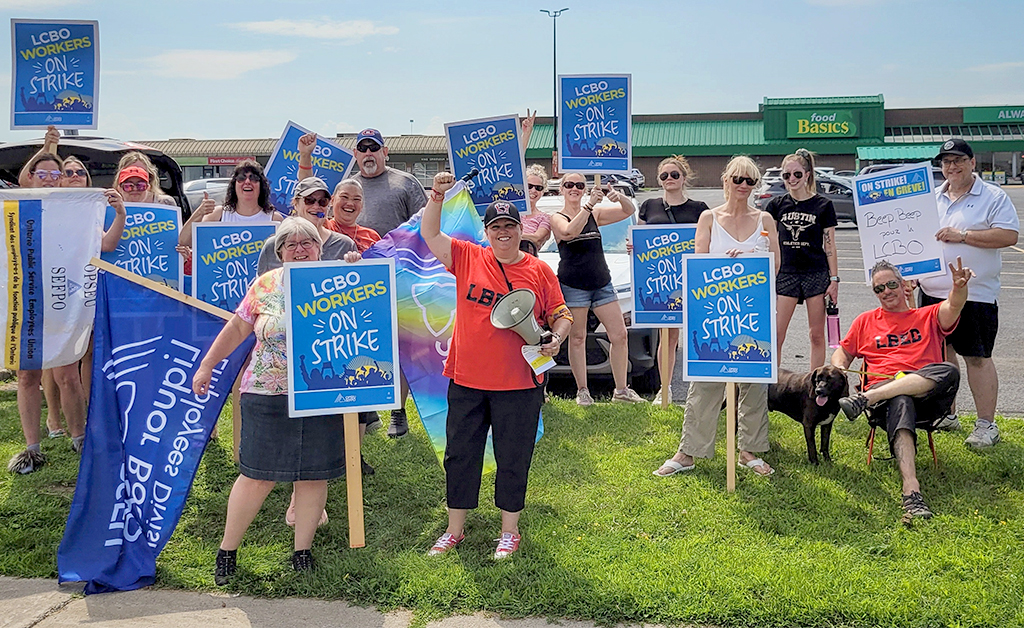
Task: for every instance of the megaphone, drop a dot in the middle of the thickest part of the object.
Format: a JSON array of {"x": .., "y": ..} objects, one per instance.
[{"x": 515, "y": 311}]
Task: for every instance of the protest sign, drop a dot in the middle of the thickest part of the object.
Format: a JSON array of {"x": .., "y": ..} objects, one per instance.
[
  {"x": 897, "y": 218},
  {"x": 55, "y": 73},
  {"x": 330, "y": 162},
  {"x": 146, "y": 429},
  {"x": 224, "y": 256},
  {"x": 656, "y": 268},
  {"x": 594, "y": 130},
  {"x": 342, "y": 337},
  {"x": 147, "y": 244},
  {"x": 491, "y": 146},
  {"x": 47, "y": 282},
  {"x": 729, "y": 326}
]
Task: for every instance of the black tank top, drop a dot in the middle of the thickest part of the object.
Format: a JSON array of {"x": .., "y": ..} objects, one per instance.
[{"x": 581, "y": 262}]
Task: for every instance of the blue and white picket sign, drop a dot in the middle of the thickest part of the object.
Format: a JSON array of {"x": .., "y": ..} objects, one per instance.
[
  {"x": 147, "y": 244},
  {"x": 224, "y": 256},
  {"x": 331, "y": 163},
  {"x": 656, "y": 268},
  {"x": 55, "y": 73},
  {"x": 342, "y": 328},
  {"x": 594, "y": 123},
  {"x": 897, "y": 218},
  {"x": 145, "y": 433},
  {"x": 729, "y": 328},
  {"x": 491, "y": 145}
]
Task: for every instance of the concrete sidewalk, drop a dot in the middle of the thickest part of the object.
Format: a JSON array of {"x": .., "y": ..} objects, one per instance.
[{"x": 42, "y": 603}]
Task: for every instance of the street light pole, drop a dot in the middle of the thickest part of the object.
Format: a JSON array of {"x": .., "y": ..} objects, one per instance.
[{"x": 554, "y": 74}]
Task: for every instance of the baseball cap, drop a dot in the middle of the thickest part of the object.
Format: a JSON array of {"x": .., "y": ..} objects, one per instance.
[
  {"x": 370, "y": 134},
  {"x": 501, "y": 209},
  {"x": 955, "y": 146},
  {"x": 309, "y": 185},
  {"x": 132, "y": 171}
]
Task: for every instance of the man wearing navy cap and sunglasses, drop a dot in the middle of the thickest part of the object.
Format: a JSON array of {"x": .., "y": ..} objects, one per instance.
[
  {"x": 976, "y": 219},
  {"x": 390, "y": 197}
]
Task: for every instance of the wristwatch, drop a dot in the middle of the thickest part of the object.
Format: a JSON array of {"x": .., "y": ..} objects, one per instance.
[
  {"x": 963, "y": 235},
  {"x": 834, "y": 278}
]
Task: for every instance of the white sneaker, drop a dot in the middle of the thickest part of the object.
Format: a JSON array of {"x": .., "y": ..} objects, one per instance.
[
  {"x": 948, "y": 423},
  {"x": 583, "y": 398},
  {"x": 985, "y": 434},
  {"x": 657, "y": 398},
  {"x": 627, "y": 395}
]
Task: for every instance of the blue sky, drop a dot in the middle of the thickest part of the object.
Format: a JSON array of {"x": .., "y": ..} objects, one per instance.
[{"x": 224, "y": 69}]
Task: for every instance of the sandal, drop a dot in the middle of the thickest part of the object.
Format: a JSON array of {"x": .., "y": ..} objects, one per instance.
[
  {"x": 756, "y": 464},
  {"x": 289, "y": 517},
  {"x": 675, "y": 467}
]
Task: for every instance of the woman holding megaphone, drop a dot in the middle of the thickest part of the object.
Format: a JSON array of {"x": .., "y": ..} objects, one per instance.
[{"x": 492, "y": 385}]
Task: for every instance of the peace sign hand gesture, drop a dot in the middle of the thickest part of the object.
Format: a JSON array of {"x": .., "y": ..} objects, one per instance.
[{"x": 961, "y": 275}]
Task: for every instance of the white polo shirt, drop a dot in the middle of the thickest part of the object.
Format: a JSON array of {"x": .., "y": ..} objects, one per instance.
[{"x": 985, "y": 206}]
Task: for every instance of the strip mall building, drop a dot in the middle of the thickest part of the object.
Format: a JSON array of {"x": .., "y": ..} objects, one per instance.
[{"x": 845, "y": 132}]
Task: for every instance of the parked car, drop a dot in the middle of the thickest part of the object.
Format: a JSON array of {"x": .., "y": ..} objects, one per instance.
[
  {"x": 937, "y": 177},
  {"x": 833, "y": 188},
  {"x": 100, "y": 155},
  {"x": 643, "y": 343},
  {"x": 618, "y": 179},
  {"x": 637, "y": 178},
  {"x": 216, "y": 188}
]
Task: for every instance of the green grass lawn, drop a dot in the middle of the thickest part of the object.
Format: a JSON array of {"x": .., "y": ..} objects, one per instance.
[{"x": 604, "y": 539}]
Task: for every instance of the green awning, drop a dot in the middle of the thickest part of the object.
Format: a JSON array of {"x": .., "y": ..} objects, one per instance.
[{"x": 898, "y": 152}]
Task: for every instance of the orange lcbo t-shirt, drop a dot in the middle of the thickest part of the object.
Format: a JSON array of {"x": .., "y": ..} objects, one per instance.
[
  {"x": 891, "y": 342},
  {"x": 482, "y": 356}
]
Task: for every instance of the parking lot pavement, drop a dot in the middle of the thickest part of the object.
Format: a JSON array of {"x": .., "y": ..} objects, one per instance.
[{"x": 855, "y": 297}]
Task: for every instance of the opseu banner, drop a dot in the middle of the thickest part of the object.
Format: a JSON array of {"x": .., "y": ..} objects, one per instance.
[
  {"x": 342, "y": 337},
  {"x": 55, "y": 74},
  {"x": 47, "y": 283},
  {"x": 145, "y": 433},
  {"x": 491, "y": 146},
  {"x": 224, "y": 256},
  {"x": 330, "y": 162},
  {"x": 897, "y": 218},
  {"x": 147, "y": 244},
  {"x": 730, "y": 319},
  {"x": 594, "y": 130},
  {"x": 656, "y": 267}
]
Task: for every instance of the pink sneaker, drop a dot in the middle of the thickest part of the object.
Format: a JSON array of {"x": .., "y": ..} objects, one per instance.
[
  {"x": 445, "y": 543},
  {"x": 507, "y": 544}
]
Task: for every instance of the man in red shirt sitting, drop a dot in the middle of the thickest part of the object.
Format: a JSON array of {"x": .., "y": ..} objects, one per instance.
[{"x": 907, "y": 379}]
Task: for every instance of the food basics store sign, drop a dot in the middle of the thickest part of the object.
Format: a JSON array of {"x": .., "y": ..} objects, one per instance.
[{"x": 821, "y": 123}]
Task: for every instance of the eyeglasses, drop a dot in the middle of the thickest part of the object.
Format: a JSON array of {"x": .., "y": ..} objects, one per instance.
[
  {"x": 322, "y": 201},
  {"x": 369, "y": 147},
  {"x": 141, "y": 186},
  {"x": 75, "y": 173},
  {"x": 248, "y": 176},
  {"x": 539, "y": 188},
  {"x": 672, "y": 173},
  {"x": 579, "y": 185},
  {"x": 305, "y": 244},
  {"x": 955, "y": 161},
  {"x": 747, "y": 180},
  {"x": 796, "y": 174},
  {"x": 43, "y": 175},
  {"x": 891, "y": 284}
]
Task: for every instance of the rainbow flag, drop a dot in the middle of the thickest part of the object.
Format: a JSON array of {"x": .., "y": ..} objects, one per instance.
[{"x": 426, "y": 297}]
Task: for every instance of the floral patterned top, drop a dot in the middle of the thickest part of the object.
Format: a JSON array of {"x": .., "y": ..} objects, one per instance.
[{"x": 263, "y": 308}]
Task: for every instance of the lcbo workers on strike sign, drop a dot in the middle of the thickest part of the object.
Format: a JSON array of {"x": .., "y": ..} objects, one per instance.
[
  {"x": 224, "y": 259},
  {"x": 491, "y": 145},
  {"x": 55, "y": 69},
  {"x": 594, "y": 131},
  {"x": 659, "y": 284}
]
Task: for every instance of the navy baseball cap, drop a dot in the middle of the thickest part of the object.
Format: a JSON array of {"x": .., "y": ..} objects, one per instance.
[
  {"x": 501, "y": 209},
  {"x": 955, "y": 146},
  {"x": 370, "y": 134}
]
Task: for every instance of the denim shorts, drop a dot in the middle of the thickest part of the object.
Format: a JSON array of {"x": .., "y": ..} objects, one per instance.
[
  {"x": 575, "y": 297},
  {"x": 277, "y": 448}
]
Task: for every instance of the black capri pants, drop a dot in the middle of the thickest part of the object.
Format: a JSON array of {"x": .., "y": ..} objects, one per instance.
[
  {"x": 911, "y": 413},
  {"x": 512, "y": 416}
]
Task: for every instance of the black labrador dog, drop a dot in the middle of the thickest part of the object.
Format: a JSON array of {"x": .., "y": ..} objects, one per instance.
[{"x": 812, "y": 399}]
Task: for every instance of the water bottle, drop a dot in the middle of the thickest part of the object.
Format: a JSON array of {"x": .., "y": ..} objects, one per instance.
[
  {"x": 762, "y": 242},
  {"x": 832, "y": 323}
]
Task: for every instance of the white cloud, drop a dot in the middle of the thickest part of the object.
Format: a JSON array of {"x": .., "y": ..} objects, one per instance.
[
  {"x": 998, "y": 67},
  {"x": 351, "y": 32},
  {"x": 216, "y": 64}
]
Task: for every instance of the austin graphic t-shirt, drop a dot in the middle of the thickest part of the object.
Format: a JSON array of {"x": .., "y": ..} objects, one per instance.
[{"x": 802, "y": 227}]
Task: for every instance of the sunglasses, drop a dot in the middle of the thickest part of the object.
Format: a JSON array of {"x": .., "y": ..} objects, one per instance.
[
  {"x": 673, "y": 173},
  {"x": 141, "y": 186},
  {"x": 43, "y": 175},
  {"x": 579, "y": 185},
  {"x": 371, "y": 147},
  {"x": 891, "y": 284},
  {"x": 322, "y": 201},
  {"x": 75, "y": 173},
  {"x": 539, "y": 188},
  {"x": 747, "y": 180},
  {"x": 796, "y": 174},
  {"x": 248, "y": 176}
]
